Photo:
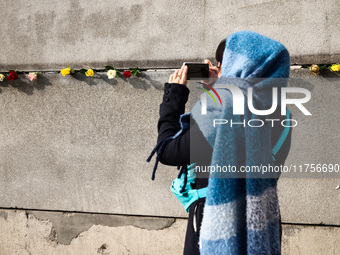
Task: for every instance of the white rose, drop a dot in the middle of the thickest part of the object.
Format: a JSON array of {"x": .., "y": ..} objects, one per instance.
[
  {"x": 2, "y": 77},
  {"x": 111, "y": 74}
]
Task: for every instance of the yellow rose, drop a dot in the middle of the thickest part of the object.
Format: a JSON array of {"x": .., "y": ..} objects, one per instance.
[
  {"x": 89, "y": 72},
  {"x": 65, "y": 71},
  {"x": 2, "y": 77},
  {"x": 314, "y": 69},
  {"x": 335, "y": 67}
]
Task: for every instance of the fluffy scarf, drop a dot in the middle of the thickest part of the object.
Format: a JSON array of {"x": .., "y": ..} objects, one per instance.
[{"x": 241, "y": 215}]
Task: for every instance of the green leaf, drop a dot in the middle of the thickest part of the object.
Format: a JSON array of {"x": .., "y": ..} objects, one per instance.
[
  {"x": 72, "y": 71},
  {"x": 109, "y": 68},
  {"x": 83, "y": 71},
  {"x": 135, "y": 71}
]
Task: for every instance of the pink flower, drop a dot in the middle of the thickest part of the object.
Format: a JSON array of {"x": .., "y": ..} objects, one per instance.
[{"x": 32, "y": 76}]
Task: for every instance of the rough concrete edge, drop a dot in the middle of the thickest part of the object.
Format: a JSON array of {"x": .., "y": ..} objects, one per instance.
[
  {"x": 67, "y": 226},
  {"x": 145, "y": 64},
  {"x": 156, "y": 64},
  {"x": 288, "y": 228}
]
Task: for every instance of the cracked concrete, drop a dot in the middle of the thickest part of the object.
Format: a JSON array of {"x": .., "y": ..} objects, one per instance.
[
  {"x": 68, "y": 226},
  {"x": 36, "y": 233}
]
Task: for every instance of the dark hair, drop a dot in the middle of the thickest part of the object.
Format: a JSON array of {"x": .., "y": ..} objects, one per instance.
[{"x": 220, "y": 50}]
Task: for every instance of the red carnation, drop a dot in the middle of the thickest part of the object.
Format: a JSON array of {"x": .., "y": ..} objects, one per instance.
[
  {"x": 127, "y": 74},
  {"x": 12, "y": 75}
]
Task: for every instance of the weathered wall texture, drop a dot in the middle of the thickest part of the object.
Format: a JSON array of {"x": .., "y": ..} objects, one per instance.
[
  {"x": 25, "y": 234},
  {"x": 80, "y": 144},
  {"x": 76, "y": 144},
  {"x": 52, "y": 34},
  {"x": 32, "y": 233}
]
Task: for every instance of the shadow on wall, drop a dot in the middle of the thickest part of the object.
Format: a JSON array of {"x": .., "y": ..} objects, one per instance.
[
  {"x": 145, "y": 80},
  {"x": 23, "y": 84},
  {"x": 142, "y": 81},
  {"x": 298, "y": 79}
]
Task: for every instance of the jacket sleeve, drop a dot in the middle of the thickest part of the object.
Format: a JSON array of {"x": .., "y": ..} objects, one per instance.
[{"x": 177, "y": 151}]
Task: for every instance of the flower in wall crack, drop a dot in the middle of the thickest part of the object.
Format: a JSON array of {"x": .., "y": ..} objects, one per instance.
[
  {"x": 127, "y": 74},
  {"x": 32, "y": 76},
  {"x": 89, "y": 72},
  {"x": 315, "y": 69},
  {"x": 335, "y": 68},
  {"x": 67, "y": 71},
  {"x": 2, "y": 77},
  {"x": 12, "y": 75},
  {"x": 111, "y": 74}
]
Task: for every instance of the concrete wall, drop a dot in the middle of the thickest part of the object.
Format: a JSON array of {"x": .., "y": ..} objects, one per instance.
[
  {"x": 73, "y": 149},
  {"x": 52, "y": 34},
  {"x": 36, "y": 233},
  {"x": 80, "y": 144},
  {"x": 77, "y": 144}
]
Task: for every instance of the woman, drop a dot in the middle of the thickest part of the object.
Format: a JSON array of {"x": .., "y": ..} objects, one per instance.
[{"x": 241, "y": 215}]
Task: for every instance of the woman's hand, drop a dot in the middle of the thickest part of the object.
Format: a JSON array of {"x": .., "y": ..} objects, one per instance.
[
  {"x": 214, "y": 72},
  {"x": 179, "y": 76}
]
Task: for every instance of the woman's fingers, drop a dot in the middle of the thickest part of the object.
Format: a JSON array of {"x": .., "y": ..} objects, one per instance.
[
  {"x": 213, "y": 72},
  {"x": 207, "y": 61},
  {"x": 184, "y": 75},
  {"x": 179, "y": 76},
  {"x": 171, "y": 78},
  {"x": 176, "y": 78}
]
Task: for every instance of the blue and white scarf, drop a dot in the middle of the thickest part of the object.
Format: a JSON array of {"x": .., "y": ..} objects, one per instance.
[{"x": 241, "y": 215}]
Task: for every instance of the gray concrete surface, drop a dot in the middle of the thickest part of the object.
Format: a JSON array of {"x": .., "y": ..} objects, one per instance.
[
  {"x": 76, "y": 144},
  {"x": 49, "y": 35},
  {"x": 315, "y": 140},
  {"x": 67, "y": 226},
  {"x": 36, "y": 233},
  {"x": 80, "y": 144},
  {"x": 311, "y": 240},
  {"x": 73, "y": 149},
  {"x": 24, "y": 234}
]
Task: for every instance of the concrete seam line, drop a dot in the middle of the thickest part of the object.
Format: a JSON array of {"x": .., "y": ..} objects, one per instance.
[
  {"x": 160, "y": 69},
  {"x": 310, "y": 224},
  {"x": 96, "y": 213}
]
